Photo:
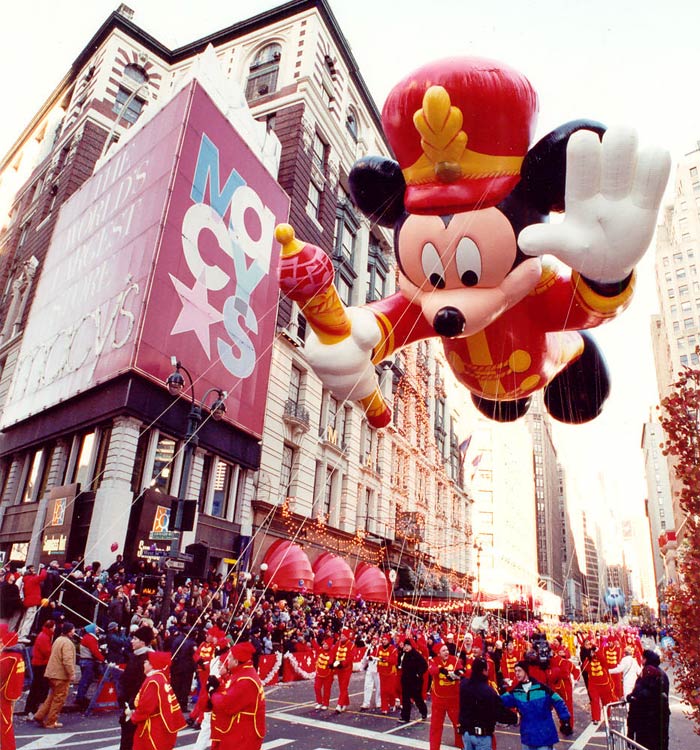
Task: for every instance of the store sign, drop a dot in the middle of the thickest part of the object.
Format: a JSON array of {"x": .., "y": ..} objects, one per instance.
[
  {"x": 152, "y": 525},
  {"x": 167, "y": 250},
  {"x": 59, "y": 519}
]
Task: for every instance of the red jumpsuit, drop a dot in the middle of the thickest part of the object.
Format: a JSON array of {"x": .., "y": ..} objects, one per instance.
[
  {"x": 157, "y": 714},
  {"x": 202, "y": 658},
  {"x": 600, "y": 685},
  {"x": 11, "y": 686},
  {"x": 343, "y": 654},
  {"x": 508, "y": 662},
  {"x": 388, "y": 676},
  {"x": 568, "y": 670},
  {"x": 612, "y": 652},
  {"x": 324, "y": 677},
  {"x": 445, "y": 699},
  {"x": 238, "y": 713}
]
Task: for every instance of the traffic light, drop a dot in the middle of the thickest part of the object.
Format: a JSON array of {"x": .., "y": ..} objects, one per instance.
[{"x": 189, "y": 511}]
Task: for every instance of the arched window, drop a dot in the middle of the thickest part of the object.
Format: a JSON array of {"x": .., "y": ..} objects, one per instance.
[
  {"x": 128, "y": 104},
  {"x": 136, "y": 73},
  {"x": 263, "y": 72},
  {"x": 351, "y": 124}
]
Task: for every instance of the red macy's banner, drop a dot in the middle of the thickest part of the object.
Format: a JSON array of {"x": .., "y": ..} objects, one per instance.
[{"x": 167, "y": 250}]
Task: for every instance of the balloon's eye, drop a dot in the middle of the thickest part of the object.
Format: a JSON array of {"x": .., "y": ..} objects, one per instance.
[
  {"x": 468, "y": 260},
  {"x": 432, "y": 266}
]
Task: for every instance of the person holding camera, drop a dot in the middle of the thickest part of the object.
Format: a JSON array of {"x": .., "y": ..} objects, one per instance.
[
  {"x": 534, "y": 702},
  {"x": 480, "y": 708}
]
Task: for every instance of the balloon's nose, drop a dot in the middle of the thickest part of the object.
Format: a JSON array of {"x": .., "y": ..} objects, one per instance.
[{"x": 449, "y": 322}]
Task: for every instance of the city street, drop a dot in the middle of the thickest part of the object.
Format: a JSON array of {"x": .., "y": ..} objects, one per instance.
[{"x": 293, "y": 723}]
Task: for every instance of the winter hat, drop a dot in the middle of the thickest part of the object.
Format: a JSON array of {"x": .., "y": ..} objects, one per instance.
[
  {"x": 160, "y": 660},
  {"x": 524, "y": 666},
  {"x": 112, "y": 626},
  {"x": 91, "y": 628},
  {"x": 242, "y": 652},
  {"x": 145, "y": 634}
]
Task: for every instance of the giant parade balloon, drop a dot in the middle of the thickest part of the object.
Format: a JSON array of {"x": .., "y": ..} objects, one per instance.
[{"x": 469, "y": 198}]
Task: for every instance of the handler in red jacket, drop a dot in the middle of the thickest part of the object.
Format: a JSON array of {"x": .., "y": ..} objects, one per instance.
[
  {"x": 157, "y": 713},
  {"x": 446, "y": 671},
  {"x": 387, "y": 659},
  {"x": 41, "y": 651},
  {"x": 324, "y": 675},
  {"x": 601, "y": 688},
  {"x": 238, "y": 703},
  {"x": 11, "y": 685},
  {"x": 342, "y": 664}
]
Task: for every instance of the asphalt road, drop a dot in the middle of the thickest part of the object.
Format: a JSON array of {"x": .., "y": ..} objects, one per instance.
[{"x": 294, "y": 724}]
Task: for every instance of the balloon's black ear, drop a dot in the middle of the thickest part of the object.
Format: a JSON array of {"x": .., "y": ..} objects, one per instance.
[
  {"x": 543, "y": 173},
  {"x": 377, "y": 186}
]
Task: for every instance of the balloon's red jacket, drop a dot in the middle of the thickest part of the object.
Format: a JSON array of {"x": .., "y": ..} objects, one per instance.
[
  {"x": 238, "y": 711},
  {"x": 523, "y": 349},
  {"x": 157, "y": 715}
]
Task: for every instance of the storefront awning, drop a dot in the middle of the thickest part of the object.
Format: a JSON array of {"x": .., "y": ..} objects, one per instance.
[
  {"x": 288, "y": 567},
  {"x": 332, "y": 576},
  {"x": 371, "y": 584}
]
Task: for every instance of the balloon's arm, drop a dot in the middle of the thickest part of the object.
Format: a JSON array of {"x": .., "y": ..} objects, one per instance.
[{"x": 306, "y": 277}]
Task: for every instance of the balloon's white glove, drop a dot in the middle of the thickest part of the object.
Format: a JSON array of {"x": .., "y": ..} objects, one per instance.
[
  {"x": 613, "y": 192},
  {"x": 346, "y": 368}
]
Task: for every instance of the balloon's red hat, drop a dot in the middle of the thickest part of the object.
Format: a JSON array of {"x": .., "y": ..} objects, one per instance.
[{"x": 460, "y": 129}]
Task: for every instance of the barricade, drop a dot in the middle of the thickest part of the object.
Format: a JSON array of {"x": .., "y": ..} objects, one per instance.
[
  {"x": 616, "y": 727},
  {"x": 105, "y": 697}
]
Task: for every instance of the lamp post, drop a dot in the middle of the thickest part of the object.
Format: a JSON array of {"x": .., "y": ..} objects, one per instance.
[
  {"x": 478, "y": 547},
  {"x": 176, "y": 385}
]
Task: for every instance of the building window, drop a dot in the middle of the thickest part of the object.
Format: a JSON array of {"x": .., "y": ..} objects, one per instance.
[
  {"x": 127, "y": 106},
  {"x": 83, "y": 465},
  {"x": 264, "y": 71},
  {"x": 688, "y": 323},
  {"x": 37, "y": 476},
  {"x": 377, "y": 272},
  {"x": 328, "y": 494},
  {"x": 204, "y": 484},
  {"x": 347, "y": 226},
  {"x": 221, "y": 489},
  {"x": 319, "y": 152},
  {"x": 295, "y": 384},
  {"x": 286, "y": 469},
  {"x": 351, "y": 124},
  {"x": 136, "y": 73},
  {"x": 313, "y": 204},
  {"x": 162, "y": 474}
]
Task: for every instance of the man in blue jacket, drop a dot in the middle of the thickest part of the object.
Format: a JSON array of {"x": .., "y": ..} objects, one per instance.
[{"x": 534, "y": 702}]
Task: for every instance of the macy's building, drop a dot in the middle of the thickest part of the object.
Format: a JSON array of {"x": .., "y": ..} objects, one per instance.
[{"x": 112, "y": 264}]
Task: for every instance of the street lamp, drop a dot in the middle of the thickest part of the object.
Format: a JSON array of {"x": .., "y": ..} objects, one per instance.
[{"x": 176, "y": 386}]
